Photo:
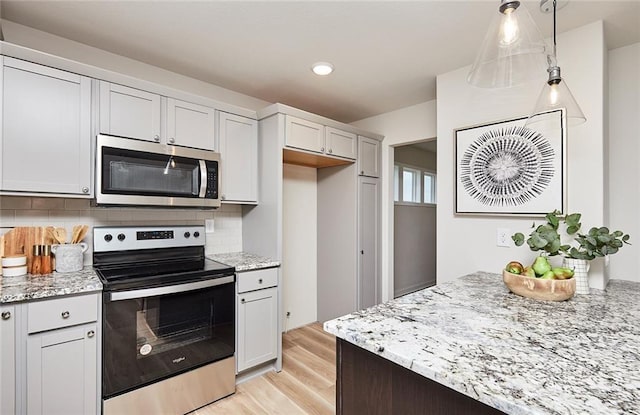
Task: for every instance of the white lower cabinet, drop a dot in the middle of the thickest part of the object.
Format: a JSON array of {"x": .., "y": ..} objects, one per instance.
[
  {"x": 62, "y": 371},
  {"x": 49, "y": 358},
  {"x": 257, "y": 322},
  {"x": 7, "y": 360}
]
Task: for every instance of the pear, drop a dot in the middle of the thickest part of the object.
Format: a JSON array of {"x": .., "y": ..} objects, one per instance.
[
  {"x": 541, "y": 266},
  {"x": 529, "y": 272},
  {"x": 562, "y": 273},
  {"x": 549, "y": 275}
]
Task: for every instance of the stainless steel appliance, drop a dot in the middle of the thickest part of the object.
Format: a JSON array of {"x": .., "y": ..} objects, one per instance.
[
  {"x": 135, "y": 172},
  {"x": 168, "y": 320}
]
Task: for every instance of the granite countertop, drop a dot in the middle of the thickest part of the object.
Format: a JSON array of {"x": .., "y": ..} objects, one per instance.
[
  {"x": 521, "y": 356},
  {"x": 244, "y": 261},
  {"x": 35, "y": 287}
]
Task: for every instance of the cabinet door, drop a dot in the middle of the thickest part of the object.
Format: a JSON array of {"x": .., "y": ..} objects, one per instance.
[
  {"x": 368, "y": 157},
  {"x": 46, "y": 130},
  {"x": 239, "y": 158},
  {"x": 368, "y": 242},
  {"x": 129, "y": 112},
  {"x": 304, "y": 134},
  {"x": 62, "y": 371},
  {"x": 7, "y": 360},
  {"x": 340, "y": 143},
  {"x": 257, "y": 327},
  {"x": 190, "y": 125}
]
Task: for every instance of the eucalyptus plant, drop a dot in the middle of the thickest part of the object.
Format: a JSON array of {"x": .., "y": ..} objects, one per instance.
[{"x": 597, "y": 243}]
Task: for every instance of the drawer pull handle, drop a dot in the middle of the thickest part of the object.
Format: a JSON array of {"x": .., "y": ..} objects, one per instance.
[
  {"x": 91, "y": 333},
  {"x": 6, "y": 315},
  {"x": 242, "y": 301},
  {"x": 65, "y": 314},
  {"x": 260, "y": 281}
]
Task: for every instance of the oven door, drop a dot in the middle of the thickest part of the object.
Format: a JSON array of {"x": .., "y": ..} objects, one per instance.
[
  {"x": 132, "y": 172},
  {"x": 151, "y": 334}
]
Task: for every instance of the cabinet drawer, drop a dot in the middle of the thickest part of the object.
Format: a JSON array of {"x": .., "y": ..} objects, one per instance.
[
  {"x": 62, "y": 312},
  {"x": 256, "y": 280}
]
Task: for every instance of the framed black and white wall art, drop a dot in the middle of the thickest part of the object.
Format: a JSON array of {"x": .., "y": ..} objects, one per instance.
[{"x": 506, "y": 168}]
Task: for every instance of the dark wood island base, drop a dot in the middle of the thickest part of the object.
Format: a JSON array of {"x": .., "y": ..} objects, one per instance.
[{"x": 369, "y": 384}]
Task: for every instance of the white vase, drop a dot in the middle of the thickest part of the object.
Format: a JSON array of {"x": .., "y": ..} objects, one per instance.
[{"x": 580, "y": 269}]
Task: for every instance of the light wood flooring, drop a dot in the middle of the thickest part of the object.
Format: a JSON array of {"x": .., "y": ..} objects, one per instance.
[{"x": 306, "y": 384}]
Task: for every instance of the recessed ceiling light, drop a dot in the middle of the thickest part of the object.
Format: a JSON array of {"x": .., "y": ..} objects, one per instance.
[{"x": 322, "y": 68}]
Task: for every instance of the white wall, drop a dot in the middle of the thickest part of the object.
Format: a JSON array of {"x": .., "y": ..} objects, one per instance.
[
  {"x": 416, "y": 157},
  {"x": 300, "y": 238},
  {"x": 59, "y": 212},
  {"x": 59, "y": 46},
  {"x": 415, "y": 248},
  {"x": 404, "y": 126},
  {"x": 468, "y": 244},
  {"x": 624, "y": 156}
]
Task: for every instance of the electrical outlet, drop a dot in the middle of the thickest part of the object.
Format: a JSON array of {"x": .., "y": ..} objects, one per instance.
[
  {"x": 503, "y": 237},
  {"x": 208, "y": 226}
]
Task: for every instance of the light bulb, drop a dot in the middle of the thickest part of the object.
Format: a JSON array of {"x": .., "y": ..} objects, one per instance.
[
  {"x": 509, "y": 31},
  {"x": 553, "y": 95}
]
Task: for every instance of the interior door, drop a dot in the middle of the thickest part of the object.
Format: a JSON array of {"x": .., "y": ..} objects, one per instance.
[{"x": 368, "y": 235}]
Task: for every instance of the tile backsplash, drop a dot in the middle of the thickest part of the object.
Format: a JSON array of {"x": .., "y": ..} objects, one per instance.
[{"x": 44, "y": 211}]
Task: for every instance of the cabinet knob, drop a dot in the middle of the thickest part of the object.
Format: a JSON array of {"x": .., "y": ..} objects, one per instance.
[
  {"x": 65, "y": 314},
  {"x": 223, "y": 197},
  {"x": 91, "y": 333},
  {"x": 362, "y": 172},
  {"x": 260, "y": 281},
  {"x": 242, "y": 301},
  {"x": 156, "y": 138},
  {"x": 85, "y": 189},
  {"x": 6, "y": 315},
  {"x": 172, "y": 140},
  {"x": 322, "y": 149},
  {"x": 362, "y": 252},
  {"x": 330, "y": 151}
]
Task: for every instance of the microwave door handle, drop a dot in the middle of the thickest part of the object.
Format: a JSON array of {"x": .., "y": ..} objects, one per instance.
[
  {"x": 203, "y": 179},
  {"x": 156, "y": 291}
]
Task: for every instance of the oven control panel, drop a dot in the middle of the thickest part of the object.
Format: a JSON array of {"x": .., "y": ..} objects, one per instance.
[{"x": 123, "y": 238}]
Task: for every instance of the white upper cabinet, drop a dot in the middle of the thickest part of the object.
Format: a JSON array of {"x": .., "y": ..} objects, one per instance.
[
  {"x": 340, "y": 143},
  {"x": 239, "y": 158},
  {"x": 190, "y": 125},
  {"x": 133, "y": 113},
  {"x": 129, "y": 112},
  {"x": 369, "y": 157},
  {"x": 311, "y": 136},
  {"x": 46, "y": 130},
  {"x": 304, "y": 134}
]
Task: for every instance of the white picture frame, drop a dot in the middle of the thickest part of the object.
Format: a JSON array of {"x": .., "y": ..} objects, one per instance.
[{"x": 505, "y": 168}]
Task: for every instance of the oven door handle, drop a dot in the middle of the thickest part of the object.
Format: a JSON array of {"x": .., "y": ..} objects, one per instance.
[{"x": 172, "y": 289}]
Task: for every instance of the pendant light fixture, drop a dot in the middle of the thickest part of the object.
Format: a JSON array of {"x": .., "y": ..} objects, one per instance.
[
  {"x": 555, "y": 93},
  {"x": 513, "y": 49}
]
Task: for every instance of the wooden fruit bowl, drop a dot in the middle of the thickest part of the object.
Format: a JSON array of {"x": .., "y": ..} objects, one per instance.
[{"x": 538, "y": 289}]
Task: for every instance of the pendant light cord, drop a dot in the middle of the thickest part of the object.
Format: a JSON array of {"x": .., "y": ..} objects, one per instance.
[{"x": 554, "y": 29}]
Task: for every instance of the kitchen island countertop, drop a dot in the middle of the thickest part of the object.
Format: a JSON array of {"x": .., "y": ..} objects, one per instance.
[
  {"x": 244, "y": 261},
  {"x": 35, "y": 287},
  {"x": 517, "y": 355}
]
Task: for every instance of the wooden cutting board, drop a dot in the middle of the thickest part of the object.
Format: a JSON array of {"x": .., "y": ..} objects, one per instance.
[{"x": 20, "y": 240}]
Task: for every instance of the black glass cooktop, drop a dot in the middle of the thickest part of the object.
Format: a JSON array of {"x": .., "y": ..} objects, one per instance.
[{"x": 156, "y": 267}]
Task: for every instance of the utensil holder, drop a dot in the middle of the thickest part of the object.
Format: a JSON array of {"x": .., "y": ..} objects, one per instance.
[{"x": 69, "y": 257}]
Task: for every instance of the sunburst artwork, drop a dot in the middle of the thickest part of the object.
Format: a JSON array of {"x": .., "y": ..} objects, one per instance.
[{"x": 506, "y": 168}]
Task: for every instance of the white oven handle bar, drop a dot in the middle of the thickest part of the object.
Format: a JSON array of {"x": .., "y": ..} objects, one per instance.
[{"x": 172, "y": 289}]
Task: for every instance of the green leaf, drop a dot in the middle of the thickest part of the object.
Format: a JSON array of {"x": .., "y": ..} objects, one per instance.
[
  {"x": 537, "y": 241},
  {"x": 518, "y": 238},
  {"x": 592, "y": 240},
  {"x": 572, "y": 229},
  {"x": 625, "y": 238},
  {"x": 573, "y": 220},
  {"x": 553, "y": 219},
  {"x": 604, "y": 229},
  {"x": 617, "y": 234}
]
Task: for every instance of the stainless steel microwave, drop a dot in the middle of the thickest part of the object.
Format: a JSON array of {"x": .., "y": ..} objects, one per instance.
[{"x": 140, "y": 173}]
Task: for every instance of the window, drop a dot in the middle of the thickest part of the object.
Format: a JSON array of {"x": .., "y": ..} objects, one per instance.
[{"x": 413, "y": 185}]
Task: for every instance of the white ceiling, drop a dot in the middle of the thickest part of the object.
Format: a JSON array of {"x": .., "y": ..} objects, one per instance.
[{"x": 386, "y": 53}]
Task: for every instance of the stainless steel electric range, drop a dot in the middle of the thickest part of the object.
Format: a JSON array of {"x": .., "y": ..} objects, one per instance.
[{"x": 168, "y": 320}]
